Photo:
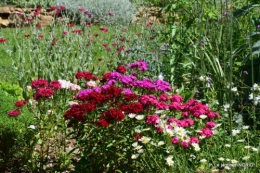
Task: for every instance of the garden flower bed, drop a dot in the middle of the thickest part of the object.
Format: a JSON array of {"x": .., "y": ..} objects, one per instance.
[{"x": 111, "y": 96}]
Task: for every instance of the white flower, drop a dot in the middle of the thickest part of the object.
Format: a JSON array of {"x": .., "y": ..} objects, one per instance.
[
  {"x": 147, "y": 129},
  {"x": 227, "y": 145},
  {"x": 247, "y": 147},
  {"x": 179, "y": 131},
  {"x": 31, "y": 127},
  {"x": 202, "y": 78},
  {"x": 196, "y": 147},
  {"x": 241, "y": 140},
  {"x": 214, "y": 170},
  {"x": 160, "y": 77},
  {"x": 73, "y": 103},
  {"x": 203, "y": 161},
  {"x": 50, "y": 112},
  {"x": 227, "y": 159},
  {"x": 138, "y": 131},
  {"x": 160, "y": 143},
  {"x": 221, "y": 159},
  {"x": 134, "y": 156},
  {"x": 134, "y": 144},
  {"x": 138, "y": 147},
  {"x": 169, "y": 160},
  {"x": 235, "y": 132},
  {"x": 139, "y": 117},
  {"x": 192, "y": 156},
  {"x": 203, "y": 116},
  {"x": 245, "y": 127},
  {"x": 234, "y": 89},
  {"x": 227, "y": 168},
  {"x": 145, "y": 139},
  {"x": 246, "y": 158},
  {"x": 159, "y": 111},
  {"x": 233, "y": 161},
  {"x": 254, "y": 149},
  {"x": 131, "y": 115},
  {"x": 91, "y": 83},
  {"x": 140, "y": 151},
  {"x": 226, "y": 107}
]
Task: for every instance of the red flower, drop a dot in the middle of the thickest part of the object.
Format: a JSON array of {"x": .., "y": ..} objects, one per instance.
[
  {"x": 113, "y": 114},
  {"x": 53, "y": 43},
  {"x": 14, "y": 113},
  {"x": 43, "y": 93},
  {"x": 64, "y": 32},
  {"x": 105, "y": 44},
  {"x": 86, "y": 75},
  {"x": 40, "y": 36},
  {"x": 27, "y": 35},
  {"x": 2, "y": 40},
  {"x": 20, "y": 103},
  {"x": 95, "y": 35},
  {"x": 70, "y": 24},
  {"x": 130, "y": 97},
  {"x": 138, "y": 136},
  {"x": 134, "y": 108},
  {"x": 121, "y": 69},
  {"x": 55, "y": 84},
  {"x": 39, "y": 83},
  {"x": 103, "y": 29},
  {"x": 102, "y": 123},
  {"x": 62, "y": 7}
]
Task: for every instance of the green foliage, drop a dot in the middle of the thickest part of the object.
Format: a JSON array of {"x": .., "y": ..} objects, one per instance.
[
  {"x": 14, "y": 135},
  {"x": 11, "y": 89},
  {"x": 28, "y": 3}
]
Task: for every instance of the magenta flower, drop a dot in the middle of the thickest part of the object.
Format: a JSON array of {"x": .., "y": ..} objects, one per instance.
[
  {"x": 206, "y": 132},
  {"x": 175, "y": 140},
  {"x": 152, "y": 119},
  {"x": 210, "y": 125},
  {"x": 110, "y": 14},
  {"x": 103, "y": 29}
]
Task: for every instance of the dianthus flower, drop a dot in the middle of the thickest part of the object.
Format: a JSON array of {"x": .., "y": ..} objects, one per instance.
[
  {"x": 20, "y": 103},
  {"x": 102, "y": 123},
  {"x": 163, "y": 97},
  {"x": 152, "y": 119},
  {"x": 130, "y": 97},
  {"x": 210, "y": 125},
  {"x": 162, "y": 85},
  {"x": 161, "y": 105},
  {"x": 86, "y": 75},
  {"x": 39, "y": 83},
  {"x": 194, "y": 140},
  {"x": 134, "y": 108},
  {"x": 175, "y": 106},
  {"x": 111, "y": 92},
  {"x": 206, "y": 132},
  {"x": 176, "y": 98},
  {"x": 184, "y": 144},
  {"x": 175, "y": 140},
  {"x": 113, "y": 114},
  {"x": 43, "y": 93},
  {"x": 121, "y": 69},
  {"x": 141, "y": 65},
  {"x": 55, "y": 85},
  {"x": 14, "y": 113}
]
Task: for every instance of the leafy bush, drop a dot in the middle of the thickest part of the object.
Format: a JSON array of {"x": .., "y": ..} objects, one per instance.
[
  {"x": 108, "y": 12},
  {"x": 11, "y": 89},
  {"x": 14, "y": 135}
]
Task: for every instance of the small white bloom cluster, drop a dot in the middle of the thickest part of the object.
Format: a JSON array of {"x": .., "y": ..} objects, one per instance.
[
  {"x": 255, "y": 96},
  {"x": 138, "y": 117},
  {"x": 169, "y": 160}
]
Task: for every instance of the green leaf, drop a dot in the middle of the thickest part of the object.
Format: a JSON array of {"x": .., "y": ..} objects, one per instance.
[{"x": 244, "y": 10}]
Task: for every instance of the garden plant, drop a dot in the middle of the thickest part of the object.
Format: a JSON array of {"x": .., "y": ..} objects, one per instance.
[{"x": 95, "y": 92}]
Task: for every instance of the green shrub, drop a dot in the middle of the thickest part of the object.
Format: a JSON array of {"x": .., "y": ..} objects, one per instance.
[
  {"x": 11, "y": 89},
  {"x": 109, "y": 12},
  {"x": 14, "y": 135}
]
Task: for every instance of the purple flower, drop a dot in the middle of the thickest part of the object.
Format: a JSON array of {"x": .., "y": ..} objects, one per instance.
[
  {"x": 225, "y": 13},
  {"x": 245, "y": 72},
  {"x": 110, "y": 14},
  {"x": 258, "y": 26},
  {"x": 84, "y": 93}
]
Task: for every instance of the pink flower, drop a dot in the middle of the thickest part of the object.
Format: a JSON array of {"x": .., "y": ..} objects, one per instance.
[
  {"x": 176, "y": 98},
  {"x": 110, "y": 14},
  {"x": 175, "y": 106},
  {"x": 105, "y": 44},
  {"x": 74, "y": 87},
  {"x": 175, "y": 140},
  {"x": 14, "y": 113},
  {"x": 62, "y": 7},
  {"x": 2, "y": 40},
  {"x": 103, "y": 29},
  {"x": 210, "y": 125},
  {"x": 152, "y": 119},
  {"x": 206, "y": 132},
  {"x": 185, "y": 144},
  {"x": 194, "y": 140}
]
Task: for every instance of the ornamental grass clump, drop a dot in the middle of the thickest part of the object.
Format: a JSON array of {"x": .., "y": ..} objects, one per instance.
[{"x": 108, "y": 12}]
